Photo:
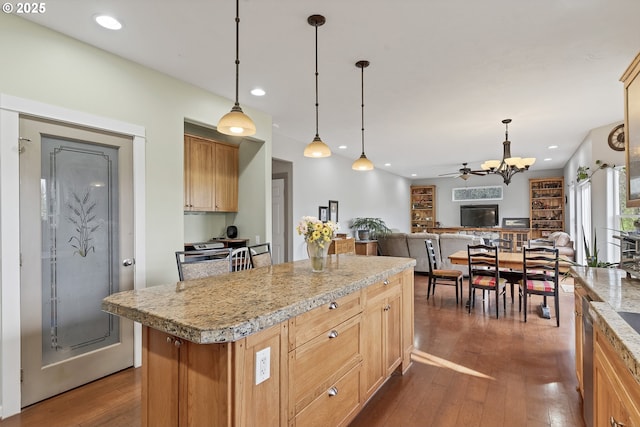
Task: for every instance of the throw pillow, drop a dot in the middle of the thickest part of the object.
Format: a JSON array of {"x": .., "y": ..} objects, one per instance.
[{"x": 561, "y": 238}]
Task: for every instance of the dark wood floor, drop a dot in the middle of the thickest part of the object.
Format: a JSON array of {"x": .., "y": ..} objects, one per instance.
[{"x": 468, "y": 370}]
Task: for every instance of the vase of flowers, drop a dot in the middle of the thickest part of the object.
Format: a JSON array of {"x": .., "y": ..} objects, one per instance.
[{"x": 317, "y": 235}]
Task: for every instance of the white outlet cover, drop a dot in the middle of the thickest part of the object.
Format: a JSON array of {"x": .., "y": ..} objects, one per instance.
[{"x": 263, "y": 365}]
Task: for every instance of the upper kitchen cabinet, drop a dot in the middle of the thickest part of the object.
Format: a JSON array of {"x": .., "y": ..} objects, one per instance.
[{"x": 210, "y": 175}]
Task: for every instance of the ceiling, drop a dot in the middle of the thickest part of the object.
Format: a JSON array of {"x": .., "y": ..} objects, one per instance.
[{"x": 443, "y": 73}]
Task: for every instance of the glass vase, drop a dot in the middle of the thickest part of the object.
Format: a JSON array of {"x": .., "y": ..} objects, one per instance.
[{"x": 318, "y": 256}]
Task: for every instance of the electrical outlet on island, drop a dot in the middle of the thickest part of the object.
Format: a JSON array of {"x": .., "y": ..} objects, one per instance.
[{"x": 263, "y": 365}]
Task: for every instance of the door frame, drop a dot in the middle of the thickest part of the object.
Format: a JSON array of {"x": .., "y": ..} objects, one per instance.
[{"x": 11, "y": 108}]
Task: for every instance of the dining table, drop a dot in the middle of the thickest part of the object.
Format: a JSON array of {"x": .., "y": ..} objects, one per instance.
[{"x": 511, "y": 260}]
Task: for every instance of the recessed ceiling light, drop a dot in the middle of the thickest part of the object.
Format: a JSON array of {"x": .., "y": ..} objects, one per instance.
[
  {"x": 414, "y": 174},
  {"x": 276, "y": 125},
  {"x": 547, "y": 159},
  {"x": 342, "y": 147},
  {"x": 108, "y": 22},
  {"x": 387, "y": 164},
  {"x": 258, "y": 92},
  {"x": 552, "y": 147}
]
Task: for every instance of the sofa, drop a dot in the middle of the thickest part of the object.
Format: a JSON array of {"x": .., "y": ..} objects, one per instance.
[
  {"x": 560, "y": 240},
  {"x": 411, "y": 245}
]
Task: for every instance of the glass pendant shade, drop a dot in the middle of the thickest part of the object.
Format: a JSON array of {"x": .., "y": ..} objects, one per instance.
[
  {"x": 317, "y": 148},
  {"x": 362, "y": 164},
  {"x": 237, "y": 123}
]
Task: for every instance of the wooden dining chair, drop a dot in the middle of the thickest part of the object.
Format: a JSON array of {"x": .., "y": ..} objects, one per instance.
[
  {"x": 441, "y": 277},
  {"x": 540, "y": 277},
  {"x": 204, "y": 263},
  {"x": 484, "y": 274},
  {"x": 240, "y": 259},
  {"x": 512, "y": 277},
  {"x": 260, "y": 255}
]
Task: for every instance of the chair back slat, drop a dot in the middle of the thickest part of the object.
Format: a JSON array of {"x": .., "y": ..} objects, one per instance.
[
  {"x": 505, "y": 245},
  {"x": 204, "y": 263}
]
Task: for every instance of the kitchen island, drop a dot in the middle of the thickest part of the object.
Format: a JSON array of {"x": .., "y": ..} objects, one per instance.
[
  {"x": 272, "y": 346},
  {"x": 610, "y": 380}
]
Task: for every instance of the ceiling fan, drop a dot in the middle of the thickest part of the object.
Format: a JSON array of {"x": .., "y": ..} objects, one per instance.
[{"x": 465, "y": 172}]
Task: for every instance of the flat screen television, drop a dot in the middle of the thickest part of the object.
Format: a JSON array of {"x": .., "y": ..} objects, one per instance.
[{"x": 479, "y": 215}]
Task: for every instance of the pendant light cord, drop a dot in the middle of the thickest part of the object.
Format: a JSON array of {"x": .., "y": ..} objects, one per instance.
[
  {"x": 317, "y": 136},
  {"x": 362, "y": 105},
  {"x": 237, "y": 49}
]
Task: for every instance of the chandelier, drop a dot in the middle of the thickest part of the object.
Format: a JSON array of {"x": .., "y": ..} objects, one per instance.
[{"x": 508, "y": 166}]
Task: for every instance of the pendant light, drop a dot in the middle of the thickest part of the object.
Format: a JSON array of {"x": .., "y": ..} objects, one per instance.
[
  {"x": 236, "y": 122},
  {"x": 362, "y": 164},
  {"x": 316, "y": 148}
]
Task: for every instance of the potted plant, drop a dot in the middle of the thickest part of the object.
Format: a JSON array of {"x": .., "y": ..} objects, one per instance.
[{"x": 370, "y": 228}]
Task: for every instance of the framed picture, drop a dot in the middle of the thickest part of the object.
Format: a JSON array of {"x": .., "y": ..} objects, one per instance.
[
  {"x": 333, "y": 210},
  {"x": 471, "y": 194},
  {"x": 631, "y": 80},
  {"x": 323, "y": 213}
]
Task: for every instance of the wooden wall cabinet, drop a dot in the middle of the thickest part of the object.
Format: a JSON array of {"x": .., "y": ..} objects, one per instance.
[
  {"x": 210, "y": 175},
  {"x": 423, "y": 207},
  {"x": 616, "y": 393},
  {"x": 546, "y": 206}
]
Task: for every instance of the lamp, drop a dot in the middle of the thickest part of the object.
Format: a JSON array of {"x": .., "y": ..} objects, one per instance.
[
  {"x": 508, "y": 166},
  {"x": 236, "y": 122},
  {"x": 317, "y": 148},
  {"x": 362, "y": 164}
]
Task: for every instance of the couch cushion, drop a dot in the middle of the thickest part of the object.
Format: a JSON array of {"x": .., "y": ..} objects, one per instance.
[
  {"x": 418, "y": 250},
  {"x": 450, "y": 243},
  {"x": 394, "y": 244},
  {"x": 561, "y": 238}
]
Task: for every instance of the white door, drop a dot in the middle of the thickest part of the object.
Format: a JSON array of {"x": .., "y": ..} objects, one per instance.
[
  {"x": 278, "y": 205},
  {"x": 76, "y": 244}
]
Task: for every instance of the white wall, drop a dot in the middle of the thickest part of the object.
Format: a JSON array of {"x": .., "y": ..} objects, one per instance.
[
  {"x": 316, "y": 181},
  {"x": 45, "y": 66},
  {"x": 515, "y": 202},
  {"x": 595, "y": 147}
]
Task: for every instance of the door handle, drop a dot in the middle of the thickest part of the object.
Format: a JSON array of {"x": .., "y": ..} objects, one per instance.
[{"x": 128, "y": 262}]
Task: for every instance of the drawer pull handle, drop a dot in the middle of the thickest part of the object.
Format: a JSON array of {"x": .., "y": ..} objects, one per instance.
[
  {"x": 169, "y": 340},
  {"x": 333, "y": 334},
  {"x": 387, "y": 307},
  {"x": 386, "y": 282},
  {"x": 177, "y": 343},
  {"x": 332, "y": 391},
  {"x": 333, "y": 305}
]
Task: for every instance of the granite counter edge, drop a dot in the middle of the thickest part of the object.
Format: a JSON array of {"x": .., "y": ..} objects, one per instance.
[{"x": 250, "y": 326}]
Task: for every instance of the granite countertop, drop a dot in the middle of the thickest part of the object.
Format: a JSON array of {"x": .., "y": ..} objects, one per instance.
[
  {"x": 612, "y": 292},
  {"x": 231, "y": 306}
]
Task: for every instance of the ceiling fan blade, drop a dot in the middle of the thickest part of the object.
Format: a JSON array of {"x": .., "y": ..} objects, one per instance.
[{"x": 452, "y": 174}]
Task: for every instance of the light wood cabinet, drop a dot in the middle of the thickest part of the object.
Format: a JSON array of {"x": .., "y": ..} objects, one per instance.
[
  {"x": 578, "y": 294},
  {"x": 180, "y": 380},
  {"x": 423, "y": 207},
  {"x": 210, "y": 175},
  {"x": 324, "y": 365},
  {"x": 616, "y": 393},
  {"x": 546, "y": 206},
  {"x": 382, "y": 328}
]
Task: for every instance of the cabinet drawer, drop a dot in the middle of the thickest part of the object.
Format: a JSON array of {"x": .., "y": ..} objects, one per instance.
[
  {"x": 336, "y": 406},
  {"x": 316, "y": 365},
  {"x": 310, "y": 324},
  {"x": 382, "y": 287}
]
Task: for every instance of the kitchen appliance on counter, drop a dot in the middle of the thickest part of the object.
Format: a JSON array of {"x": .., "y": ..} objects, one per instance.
[
  {"x": 216, "y": 243},
  {"x": 232, "y": 232}
]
